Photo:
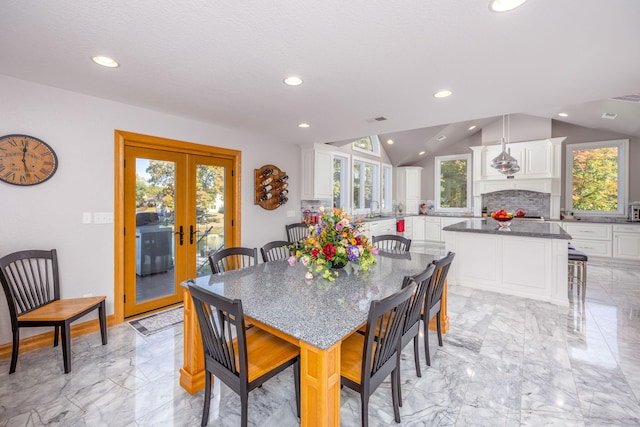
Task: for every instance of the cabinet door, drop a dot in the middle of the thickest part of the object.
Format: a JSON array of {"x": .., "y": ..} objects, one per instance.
[
  {"x": 432, "y": 230},
  {"x": 538, "y": 161},
  {"x": 317, "y": 174},
  {"x": 419, "y": 228},
  {"x": 414, "y": 176},
  {"x": 626, "y": 246},
  {"x": 597, "y": 248}
]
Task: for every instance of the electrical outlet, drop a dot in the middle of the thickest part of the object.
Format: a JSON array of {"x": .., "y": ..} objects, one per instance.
[
  {"x": 103, "y": 217},
  {"x": 86, "y": 217}
]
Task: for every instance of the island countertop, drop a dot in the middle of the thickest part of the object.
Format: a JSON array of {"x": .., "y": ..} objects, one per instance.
[{"x": 548, "y": 230}]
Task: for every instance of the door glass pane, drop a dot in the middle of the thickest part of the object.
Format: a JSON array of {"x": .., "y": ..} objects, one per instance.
[
  {"x": 155, "y": 205},
  {"x": 210, "y": 213}
]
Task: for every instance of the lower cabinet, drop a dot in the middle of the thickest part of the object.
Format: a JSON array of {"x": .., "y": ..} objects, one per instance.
[
  {"x": 592, "y": 239},
  {"x": 626, "y": 242}
]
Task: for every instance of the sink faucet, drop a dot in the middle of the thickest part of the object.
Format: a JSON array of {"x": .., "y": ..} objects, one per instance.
[{"x": 371, "y": 207}]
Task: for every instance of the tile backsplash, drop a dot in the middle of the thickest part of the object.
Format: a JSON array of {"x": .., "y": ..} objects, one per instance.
[{"x": 531, "y": 202}]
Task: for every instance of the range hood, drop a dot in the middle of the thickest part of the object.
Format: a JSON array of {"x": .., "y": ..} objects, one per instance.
[{"x": 541, "y": 171}]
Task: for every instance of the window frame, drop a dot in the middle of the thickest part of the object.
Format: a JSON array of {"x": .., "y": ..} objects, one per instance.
[
  {"x": 386, "y": 188},
  {"x": 623, "y": 175},
  {"x": 346, "y": 184},
  {"x": 357, "y": 209},
  {"x": 438, "y": 170}
]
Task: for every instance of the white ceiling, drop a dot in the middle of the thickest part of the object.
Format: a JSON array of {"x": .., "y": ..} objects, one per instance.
[{"x": 224, "y": 61}]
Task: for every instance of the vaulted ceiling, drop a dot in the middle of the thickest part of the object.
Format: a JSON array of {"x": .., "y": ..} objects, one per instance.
[{"x": 224, "y": 62}]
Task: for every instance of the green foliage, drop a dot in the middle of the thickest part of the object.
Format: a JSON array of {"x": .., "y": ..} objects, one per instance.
[
  {"x": 453, "y": 183},
  {"x": 595, "y": 179}
]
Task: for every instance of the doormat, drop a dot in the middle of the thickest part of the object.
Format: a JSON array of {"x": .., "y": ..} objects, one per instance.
[{"x": 158, "y": 321}]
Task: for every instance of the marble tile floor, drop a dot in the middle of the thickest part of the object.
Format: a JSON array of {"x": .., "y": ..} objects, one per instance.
[{"x": 506, "y": 361}]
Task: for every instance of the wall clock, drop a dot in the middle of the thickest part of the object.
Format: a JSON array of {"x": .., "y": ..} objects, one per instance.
[{"x": 26, "y": 160}]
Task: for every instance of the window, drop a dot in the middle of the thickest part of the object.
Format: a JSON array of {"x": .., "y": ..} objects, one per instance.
[
  {"x": 453, "y": 182},
  {"x": 341, "y": 182},
  {"x": 366, "y": 186},
  {"x": 387, "y": 188},
  {"x": 367, "y": 144},
  {"x": 597, "y": 177}
]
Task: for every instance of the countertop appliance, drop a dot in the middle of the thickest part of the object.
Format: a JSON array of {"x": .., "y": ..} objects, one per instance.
[{"x": 634, "y": 211}]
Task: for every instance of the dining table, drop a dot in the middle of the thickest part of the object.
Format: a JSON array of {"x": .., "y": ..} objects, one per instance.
[{"x": 314, "y": 314}]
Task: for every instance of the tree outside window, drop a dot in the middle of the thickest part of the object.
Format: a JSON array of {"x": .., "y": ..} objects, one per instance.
[
  {"x": 453, "y": 182},
  {"x": 596, "y": 178}
]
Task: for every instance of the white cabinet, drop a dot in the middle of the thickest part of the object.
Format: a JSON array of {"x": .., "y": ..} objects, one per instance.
[
  {"x": 626, "y": 242},
  {"x": 537, "y": 159},
  {"x": 317, "y": 173},
  {"x": 408, "y": 187},
  {"x": 380, "y": 227},
  {"x": 419, "y": 228},
  {"x": 432, "y": 230},
  {"x": 592, "y": 239}
]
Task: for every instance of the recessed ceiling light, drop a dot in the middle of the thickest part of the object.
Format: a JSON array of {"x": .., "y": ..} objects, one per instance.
[
  {"x": 609, "y": 116},
  {"x": 421, "y": 153},
  {"x": 505, "y": 5},
  {"x": 472, "y": 127},
  {"x": 563, "y": 114},
  {"x": 303, "y": 125},
  {"x": 105, "y": 61},
  {"x": 390, "y": 141},
  {"x": 293, "y": 81},
  {"x": 443, "y": 93}
]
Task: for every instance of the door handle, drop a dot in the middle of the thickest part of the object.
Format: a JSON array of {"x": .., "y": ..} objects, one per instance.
[
  {"x": 181, "y": 233},
  {"x": 192, "y": 233}
]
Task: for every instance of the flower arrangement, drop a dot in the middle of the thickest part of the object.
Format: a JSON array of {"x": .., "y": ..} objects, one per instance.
[{"x": 333, "y": 242}]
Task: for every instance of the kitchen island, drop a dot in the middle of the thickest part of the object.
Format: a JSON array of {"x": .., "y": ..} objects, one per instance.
[{"x": 527, "y": 259}]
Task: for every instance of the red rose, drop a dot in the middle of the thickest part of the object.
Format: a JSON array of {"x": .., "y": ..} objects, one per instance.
[
  {"x": 315, "y": 252},
  {"x": 329, "y": 251}
]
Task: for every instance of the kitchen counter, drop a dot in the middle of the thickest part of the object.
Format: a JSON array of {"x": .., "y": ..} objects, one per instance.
[
  {"x": 518, "y": 227},
  {"x": 528, "y": 260}
]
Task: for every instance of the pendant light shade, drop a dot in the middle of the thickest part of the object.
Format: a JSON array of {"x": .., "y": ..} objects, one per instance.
[{"x": 504, "y": 162}]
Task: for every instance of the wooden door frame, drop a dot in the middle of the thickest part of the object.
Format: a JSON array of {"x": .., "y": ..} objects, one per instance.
[{"x": 123, "y": 138}]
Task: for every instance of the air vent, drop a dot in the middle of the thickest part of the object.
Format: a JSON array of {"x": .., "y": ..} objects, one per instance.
[
  {"x": 380, "y": 119},
  {"x": 609, "y": 116},
  {"x": 629, "y": 98},
  {"x": 441, "y": 138}
]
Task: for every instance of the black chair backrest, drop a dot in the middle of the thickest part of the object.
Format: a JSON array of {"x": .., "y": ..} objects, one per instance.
[
  {"x": 422, "y": 281},
  {"x": 384, "y": 328},
  {"x": 391, "y": 242},
  {"x": 297, "y": 232},
  {"x": 30, "y": 280},
  {"x": 213, "y": 312},
  {"x": 273, "y": 251},
  {"x": 434, "y": 294},
  {"x": 233, "y": 258}
]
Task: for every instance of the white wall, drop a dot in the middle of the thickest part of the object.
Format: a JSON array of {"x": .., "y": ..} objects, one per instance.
[{"x": 81, "y": 130}]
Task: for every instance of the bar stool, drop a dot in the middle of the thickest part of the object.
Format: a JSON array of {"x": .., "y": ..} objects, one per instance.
[{"x": 578, "y": 270}]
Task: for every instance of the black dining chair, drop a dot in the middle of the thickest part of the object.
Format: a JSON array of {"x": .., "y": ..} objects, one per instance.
[
  {"x": 31, "y": 284},
  {"x": 433, "y": 300},
  {"x": 367, "y": 360},
  {"x": 232, "y": 259},
  {"x": 276, "y": 250},
  {"x": 241, "y": 358},
  {"x": 297, "y": 231},
  {"x": 391, "y": 242}
]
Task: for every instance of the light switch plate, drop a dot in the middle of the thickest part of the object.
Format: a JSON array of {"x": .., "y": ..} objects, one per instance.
[
  {"x": 86, "y": 217},
  {"x": 103, "y": 217}
]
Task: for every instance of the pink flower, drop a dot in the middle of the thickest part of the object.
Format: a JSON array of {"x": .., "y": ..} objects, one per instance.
[
  {"x": 292, "y": 260},
  {"x": 375, "y": 251}
]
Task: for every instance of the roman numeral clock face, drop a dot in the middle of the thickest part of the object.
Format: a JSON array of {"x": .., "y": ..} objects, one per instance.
[{"x": 25, "y": 160}]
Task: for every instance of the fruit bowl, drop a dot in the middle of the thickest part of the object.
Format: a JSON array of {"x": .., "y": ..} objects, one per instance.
[{"x": 504, "y": 218}]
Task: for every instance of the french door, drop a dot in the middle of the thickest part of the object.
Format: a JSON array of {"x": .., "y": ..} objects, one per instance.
[{"x": 178, "y": 208}]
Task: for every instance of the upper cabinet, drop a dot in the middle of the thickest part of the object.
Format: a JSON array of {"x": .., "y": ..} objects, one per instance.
[
  {"x": 408, "y": 188},
  {"x": 317, "y": 173},
  {"x": 537, "y": 159}
]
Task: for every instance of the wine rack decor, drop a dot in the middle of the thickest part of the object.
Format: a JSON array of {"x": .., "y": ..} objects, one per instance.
[{"x": 272, "y": 187}]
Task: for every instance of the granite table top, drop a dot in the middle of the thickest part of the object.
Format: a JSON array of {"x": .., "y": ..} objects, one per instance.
[
  {"x": 315, "y": 311},
  {"x": 548, "y": 230}
]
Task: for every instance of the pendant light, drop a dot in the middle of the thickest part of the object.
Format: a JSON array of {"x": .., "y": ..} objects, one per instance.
[{"x": 504, "y": 162}]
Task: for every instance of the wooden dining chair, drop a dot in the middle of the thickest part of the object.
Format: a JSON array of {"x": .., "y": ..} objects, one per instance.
[
  {"x": 391, "y": 242},
  {"x": 297, "y": 231},
  {"x": 276, "y": 250},
  {"x": 433, "y": 300},
  {"x": 31, "y": 284},
  {"x": 367, "y": 360},
  {"x": 241, "y": 358},
  {"x": 232, "y": 259}
]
